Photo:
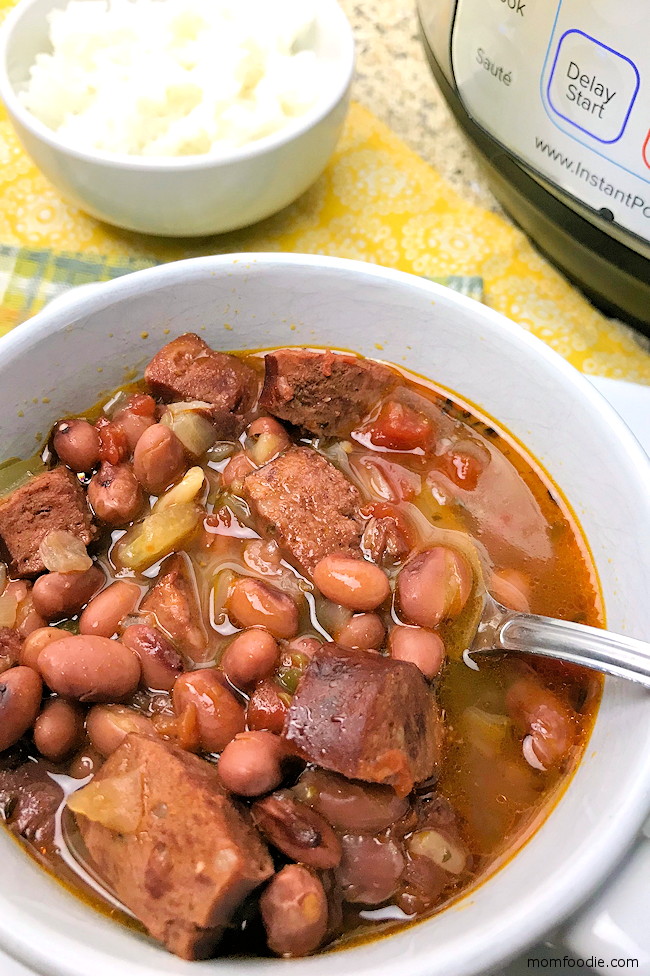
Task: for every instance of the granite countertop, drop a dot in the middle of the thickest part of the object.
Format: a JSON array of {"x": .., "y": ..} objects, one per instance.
[{"x": 394, "y": 81}]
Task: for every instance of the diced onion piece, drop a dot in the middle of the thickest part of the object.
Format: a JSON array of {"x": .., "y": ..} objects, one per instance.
[
  {"x": 115, "y": 802},
  {"x": 528, "y": 751},
  {"x": 185, "y": 491},
  {"x": 155, "y": 537},
  {"x": 221, "y": 451},
  {"x": 195, "y": 432},
  {"x": 63, "y": 552},
  {"x": 221, "y": 586},
  {"x": 439, "y": 849},
  {"x": 485, "y": 731},
  {"x": 8, "y": 608},
  {"x": 115, "y": 404}
]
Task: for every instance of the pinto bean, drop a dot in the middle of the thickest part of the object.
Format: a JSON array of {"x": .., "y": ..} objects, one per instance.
[
  {"x": 236, "y": 470},
  {"x": 106, "y": 611},
  {"x": 269, "y": 439},
  {"x": 219, "y": 716},
  {"x": 134, "y": 418},
  {"x": 294, "y": 911},
  {"x": 21, "y": 690},
  {"x": 86, "y": 763},
  {"x": 297, "y": 830},
  {"x": 421, "y": 647},
  {"x": 370, "y": 869},
  {"x": 252, "y": 656},
  {"x": 59, "y": 729},
  {"x": 253, "y": 603},
  {"x": 36, "y": 641},
  {"x": 59, "y": 595},
  {"x": 108, "y": 726},
  {"x": 511, "y": 588},
  {"x": 115, "y": 494},
  {"x": 76, "y": 443},
  {"x": 363, "y": 630},
  {"x": 158, "y": 459},
  {"x": 351, "y": 807},
  {"x": 267, "y": 707},
  {"x": 251, "y": 764},
  {"x": 434, "y": 586},
  {"x": 354, "y": 583},
  {"x": 549, "y": 723},
  {"x": 92, "y": 669},
  {"x": 160, "y": 661}
]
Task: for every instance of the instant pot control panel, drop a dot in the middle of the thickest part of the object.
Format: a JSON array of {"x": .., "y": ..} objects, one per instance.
[{"x": 565, "y": 87}]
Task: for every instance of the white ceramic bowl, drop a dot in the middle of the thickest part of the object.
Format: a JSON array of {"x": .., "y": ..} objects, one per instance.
[
  {"x": 243, "y": 301},
  {"x": 191, "y": 195}
]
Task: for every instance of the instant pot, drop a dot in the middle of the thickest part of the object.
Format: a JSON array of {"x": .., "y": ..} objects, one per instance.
[{"x": 555, "y": 97}]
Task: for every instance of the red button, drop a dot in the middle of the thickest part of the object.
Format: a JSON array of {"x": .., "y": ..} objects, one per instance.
[{"x": 646, "y": 150}]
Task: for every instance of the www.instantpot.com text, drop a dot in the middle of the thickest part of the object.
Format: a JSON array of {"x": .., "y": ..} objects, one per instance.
[
  {"x": 571, "y": 963},
  {"x": 633, "y": 201}
]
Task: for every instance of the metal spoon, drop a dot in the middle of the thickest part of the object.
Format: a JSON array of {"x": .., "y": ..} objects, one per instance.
[{"x": 500, "y": 629}]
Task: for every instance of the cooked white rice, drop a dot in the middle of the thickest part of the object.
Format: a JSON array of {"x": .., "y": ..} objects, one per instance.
[{"x": 174, "y": 77}]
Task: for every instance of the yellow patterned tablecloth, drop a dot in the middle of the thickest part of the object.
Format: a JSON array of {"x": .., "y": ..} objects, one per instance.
[{"x": 377, "y": 201}]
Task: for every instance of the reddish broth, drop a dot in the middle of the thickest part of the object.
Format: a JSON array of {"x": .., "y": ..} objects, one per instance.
[{"x": 431, "y": 473}]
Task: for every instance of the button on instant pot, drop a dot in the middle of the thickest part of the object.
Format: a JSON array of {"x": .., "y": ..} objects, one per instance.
[{"x": 592, "y": 86}]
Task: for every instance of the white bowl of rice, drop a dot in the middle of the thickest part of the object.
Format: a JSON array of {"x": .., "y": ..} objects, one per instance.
[{"x": 178, "y": 117}]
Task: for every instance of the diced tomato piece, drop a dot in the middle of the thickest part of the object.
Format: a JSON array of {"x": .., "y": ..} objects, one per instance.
[
  {"x": 142, "y": 404},
  {"x": 400, "y": 428},
  {"x": 267, "y": 707},
  {"x": 385, "y": 510},
  {"x": 113, "y": 443},
  {"x": 464, "y": 466}
]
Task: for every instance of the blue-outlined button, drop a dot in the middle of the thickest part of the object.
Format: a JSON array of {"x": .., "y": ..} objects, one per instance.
[{"x": 592, "y": 86}]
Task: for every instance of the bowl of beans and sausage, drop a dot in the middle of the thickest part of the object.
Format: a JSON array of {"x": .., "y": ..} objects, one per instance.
[{"x": 236, "y": 581}]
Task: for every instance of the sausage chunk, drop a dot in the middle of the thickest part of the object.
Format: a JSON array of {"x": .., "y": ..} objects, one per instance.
[
  {"x": 324, "y": 392},
  {"x": 52, "y": 500},
  {"x": 174, "y": 600},
  {"x": 367, "y": 717},
  {"x": 305, "y": 504},
  {"x": 188, "y": 369},
  {"x": 170, "y": 842}
]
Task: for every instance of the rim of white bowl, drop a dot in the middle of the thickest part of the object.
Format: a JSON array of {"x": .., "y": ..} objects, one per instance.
[
  {"x": 345, "y": 64},
  {"x": 535, "y": 913}
]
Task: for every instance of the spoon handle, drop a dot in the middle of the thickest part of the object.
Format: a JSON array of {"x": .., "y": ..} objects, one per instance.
[{"x": 623, "y": 657}]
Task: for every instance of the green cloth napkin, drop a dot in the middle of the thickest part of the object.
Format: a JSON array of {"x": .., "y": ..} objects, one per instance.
[{"x": 30, "y": 278}]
